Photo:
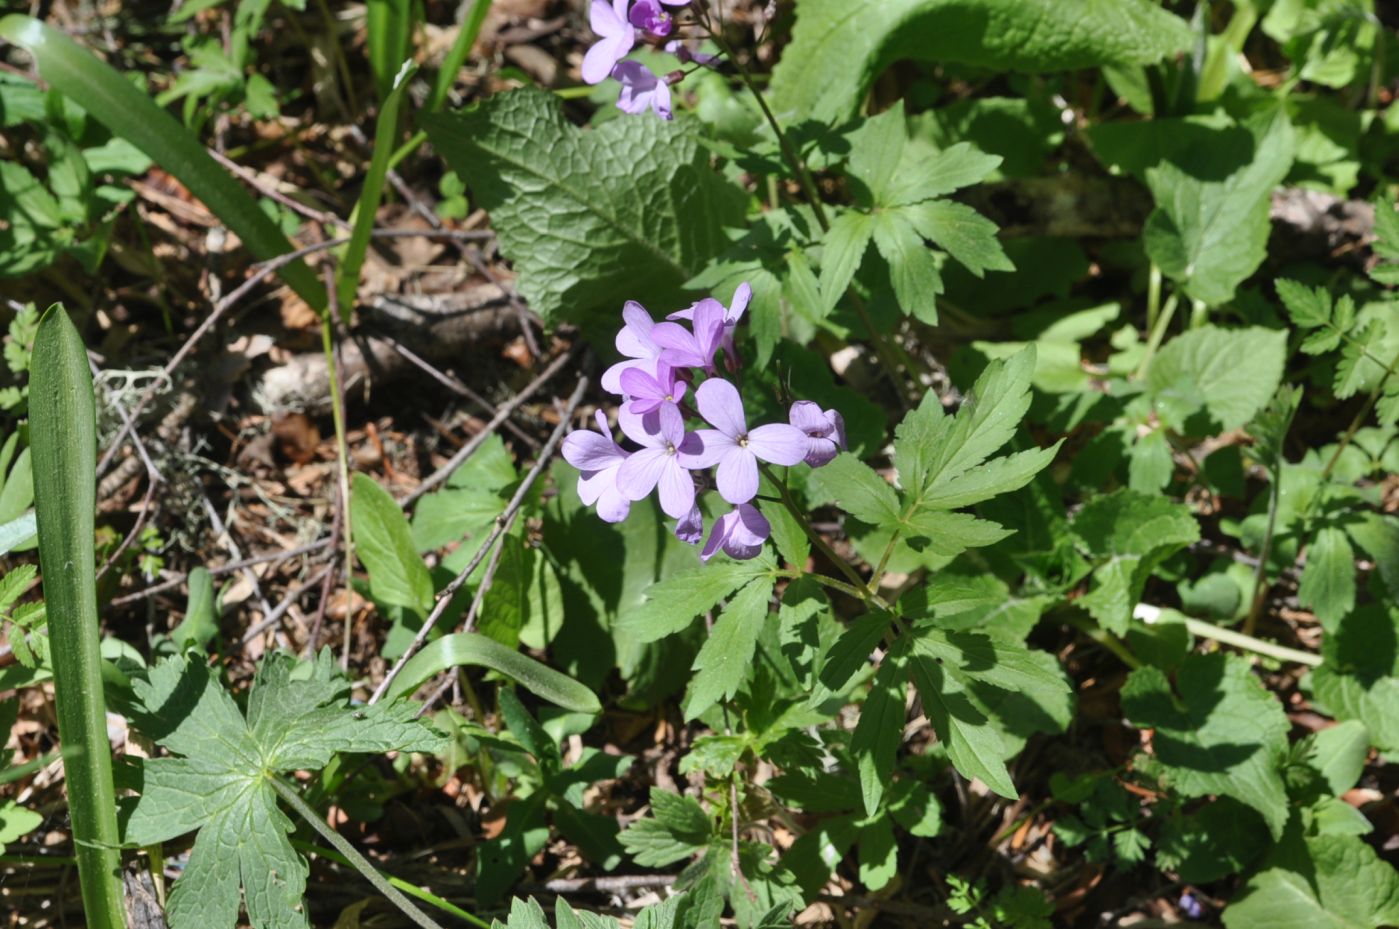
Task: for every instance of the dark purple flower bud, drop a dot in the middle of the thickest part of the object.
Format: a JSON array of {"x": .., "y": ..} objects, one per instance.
[
  {"x": 690, "y": 527},
  {"x": 641, "y": 90},
  {"x": 825, "y": 431},
  {"x": 740, "y": 533}
]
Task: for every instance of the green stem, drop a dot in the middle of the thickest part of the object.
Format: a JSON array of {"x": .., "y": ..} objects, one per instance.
[
  {"x": 1107, "y": 640},
  {"x": 1158, "y": 332},
  {"x": 1360, "y": 417},
  {"x": 811, "y": 533},
  {"x": 1260, "y": 574},
  {"x": 456, "y": 56},
  {"x": 342, "y": 454},
  {"x": 411, "y": 889},
  {"x": 1153, "y": 296},
  {"x": 352, "y": 856},
  {"x": 1204, "y": 630},
  {"x": 63, "y": 445}
]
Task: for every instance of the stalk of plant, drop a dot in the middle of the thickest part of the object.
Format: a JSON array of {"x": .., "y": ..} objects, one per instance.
[{"x": 63, "y": 435}]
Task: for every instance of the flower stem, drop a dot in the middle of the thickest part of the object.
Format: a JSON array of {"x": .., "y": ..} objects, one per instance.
[{"x": 811, "y": 533}]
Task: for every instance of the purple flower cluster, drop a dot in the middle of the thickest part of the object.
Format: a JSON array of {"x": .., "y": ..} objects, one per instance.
[
  {"x": 662, "y": 363},
  {"x": 619, "y": 23}
]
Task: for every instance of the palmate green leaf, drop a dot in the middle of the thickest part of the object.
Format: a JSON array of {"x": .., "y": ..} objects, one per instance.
[
  {"x": 839, "y": 46},
  {"x": 1328, "y": 580},
  {"x": 384, "y": 543},
  {"x": 844, "y": 247},
  {"x": 1312, "y": 308},
  {"x": 888, "y": 170},
  {"x": 1210, "y": 234},
  {"x": 672, "y": 604},
  {"x": 962, "y": 232},
  {"x": 880, "y": 730},
  {"x": 1225, "y": 734},
  {"x": 1227, "y": 375},
  {"x": 727, "y": 655},
  {"x": 221, "y": 784},
  {"x": 1127, "y": 534},
  {"x": 1318, "y": 882},
  {"x": 856, "y": 488},
  {"x": 590, "y": 218},
  {"x": 912, "y": 268},
  {"x": 677, "y": 828}
]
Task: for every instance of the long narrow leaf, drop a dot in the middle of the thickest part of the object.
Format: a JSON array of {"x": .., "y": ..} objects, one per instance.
[
  {"x": 470, "y": 648},
  {"x": 347, "y": 278},
  {"x": 389, "y": 24},
  {"x": 63, "y": 437},
  {"x": 117, "y": 104},
  {"x": 456, "y": 55}
]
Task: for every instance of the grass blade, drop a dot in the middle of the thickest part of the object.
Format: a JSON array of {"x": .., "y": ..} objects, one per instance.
[
  {"x": 471, "y": 648},
  {"x": 390, "y": 36},
  {"x": 347, "y": 276},
  {"x": 117, "y": 104},
  {"x": 63, "y": 441},
  {"x": 456, "y": 55}
]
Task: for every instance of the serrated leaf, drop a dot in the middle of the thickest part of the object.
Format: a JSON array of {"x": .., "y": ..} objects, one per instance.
[
  {"x": 912, "y": 268},
  {"x": 677, "y": 828},
  {"x": 843, "y": 248},
  {"x": 998, "y": 476},
  {"x": 1359, "y": 675},
  {"x": 672, "y": 604},
  {"x": 1318, "y": 882},
  {"x": 950, "y": 534},
  {"x": 1309, "y": 307},
  {"x": 1328, "y": 580},
  {"x": 590, "y": 218},
  {"x": 880, "y": 730},
  {"x": 727, "y": 653},
  {"x": 839, "y": 46},
  {"x": 1128, "y": 534},
  {"x": 962, "y": 232},
  {"x": 221, "y": 786},
  {"x": 1227, "y": 374},
  {"x": 1210, "y": 234},
  {"x": 856, "y": 488},
  {"x": 878, "y": 853},
  {"x": 1225, "y": 734},
  {"x": 1358, "y": 368}
]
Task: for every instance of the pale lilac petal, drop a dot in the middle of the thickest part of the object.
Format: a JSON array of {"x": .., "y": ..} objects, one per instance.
[
  {"x": 690, "y": 527},
  {"x": 677, "y": 489},
  {"x": 749, "y": 530},
  {"x": 612, "y": 377},
  {"x": 737, "y": 475},
  {"x": 641, "y": 89},
  {"x": 838, "y": 427},
  {"x": 612, "y": 507},
  {"x": 602, "y": 18},
  {"x": 588, "y": 451},
  {"x": 708, "y": 324},
  {"x": 635, "y": 427},
  {"x": 807, "y": 417},
  {"x": 677, "y": 339},
  {"x": 672, "y": 425},
  {"x": 718, "y": 535},
  {"x": 687, "y": 314},
  {"x": 634, "y": 339},
  {"x": 639, "y": 474},
  {"x": 660, "y": 100},
  {"x": 720, "y": 405},
  {"x": 593, "y": 484},
  {"x": 604, "y": 54},
  {"x": 820, "y": 452},
  {"x": 703, "y": 448},
  {"x": 601, "y": 418},
  {"x": 742, "y": 296},
  {"x": 637, "y": 383},
  {"x": 778, "y": 443}
]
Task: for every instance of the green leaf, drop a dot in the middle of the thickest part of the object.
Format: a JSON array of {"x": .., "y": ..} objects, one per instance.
[
  {"x": 201, "y": 620},
  {"x": 590, "y": 218},
  {"x": 844, "y": 246},
  {"x": 962, "y": 232},
  {"x": 856, "y": 488},
  {"x": 878, "y": 853},
  {"x": 1227, "y": 375},
  {"x": 1319, "y": 882},
  {"x": 473, "y": 649},
  {"x": 839, "y": 47},
  {"x": 912, "y": 268},
  {"x": 1359, "y": 676},
  {"x": 1328, "y": 580},
  {"x": 384, "y": 543},
  {"x": 880, "y": 731},
  {"x": 1358, "y": 367},
  {"x": 128, "y": 113},
  {"x": 63, "y": 439},
  {"x": 677, "y": 828},
  {"x": 672, "y": 604},
  {"x": 998, "y": 476},
  {"x": 969, "y": 683},
  {"x": 1225, "y": 734},
  {"x": 1128, "y": 534},
  {"x": 222, "y": 784},
  {"x": 727, "y": 655},
  {"x": 1210, "y": 234}
]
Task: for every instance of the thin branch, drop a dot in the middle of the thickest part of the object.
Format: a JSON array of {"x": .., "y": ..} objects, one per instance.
[
  {"x": 272, "y": 616},
  {"x": 230, "y": 567},
  {"x": 502, "y": 524},
  {"x": 457, "y": 387}
]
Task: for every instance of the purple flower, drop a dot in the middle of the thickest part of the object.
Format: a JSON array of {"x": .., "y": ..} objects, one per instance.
[
  {"x": 666, "y": 455},
  {"x": 690, "y": 527},
  {"x": 648, "y": 392},
  {"x": 740, "y": 532},
  {"x": 618, "y": 36},
  {"x": 743, "y": 294},
  {"x": 641, "y": 88},
  {"x": 1191, "y": 906},
  {"x": 734, "y": 448},
  {"x": 693, "y": 347},
  {"x": 635, "y": 342},
  {"x": 825, "y": 431},
  {"x": 652, "y": 17},
  {"x": 687, "y": 55},
  {"x": 598, "y": 459}
]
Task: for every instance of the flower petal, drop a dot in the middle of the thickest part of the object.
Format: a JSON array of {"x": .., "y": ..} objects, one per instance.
[
  {"x": 637, "y": 383},
  {"x": 604, "y": 54},
  {"x": 639, "y": 474},
  {"x": 675, "y": 337},
  {"x": 748, "y": 532},
  {"x": 672, "y": 424},
  {"x": 807, "y": 417},
  {"x": 737, "y": 475},
  {"x": 708, "y": 324},
  {"x": 603, "y": 18},
  {"x": 677, "y": 489},
  {"x": 703, "y": 448},
  {"x": 612, "y": 507},
  {"x": 588, "y": 451},
  {"x": 690, "y": 527},
  {"x": 718, "y": 535},
  {"x": 720, "y": 405},
  {"x": 743, "y": 294},
  {"x": 778, "y": 443},
  {"x": 636, "y": 427}
]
